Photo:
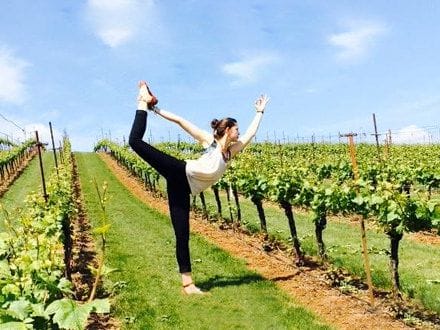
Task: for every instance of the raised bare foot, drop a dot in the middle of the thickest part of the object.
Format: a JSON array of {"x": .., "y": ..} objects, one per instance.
[{"x": 146, "y": 99}]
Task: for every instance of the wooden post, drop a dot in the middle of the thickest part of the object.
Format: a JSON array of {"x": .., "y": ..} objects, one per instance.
[{"x": 362, "y": 222}]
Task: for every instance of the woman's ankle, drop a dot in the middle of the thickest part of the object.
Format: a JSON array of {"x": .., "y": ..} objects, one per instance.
[
  {"x": 186, "y": 279},
  {"x": 142, "y": 105}
]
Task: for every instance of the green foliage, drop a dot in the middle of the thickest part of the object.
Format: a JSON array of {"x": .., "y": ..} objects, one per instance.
[
  {"x": 397, "y": 193},
  {"x": 32, "y": 253},
  {"x": 71, "y": 314},
  {"x": 11, "y": 159},
  {"x": 399, "y": 213},
  {"x": 6, "y": 142},
  {"x": 132, "y": 162}
]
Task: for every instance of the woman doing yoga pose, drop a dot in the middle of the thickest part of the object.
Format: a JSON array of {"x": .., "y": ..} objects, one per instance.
[{"x": 191, "y": 176}]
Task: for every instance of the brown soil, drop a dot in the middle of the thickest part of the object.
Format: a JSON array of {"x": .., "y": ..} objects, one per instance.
[
  {"x": 308, "y": 285},
  {"x": 426, "y": 238},
  {"x": 80, "y": 252}
]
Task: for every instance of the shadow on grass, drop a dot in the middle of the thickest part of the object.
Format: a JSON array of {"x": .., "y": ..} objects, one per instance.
[{"x": 221, "y": 281}]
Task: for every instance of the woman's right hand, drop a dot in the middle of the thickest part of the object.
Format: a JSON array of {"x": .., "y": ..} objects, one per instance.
[{"x": 260, "y": 103}]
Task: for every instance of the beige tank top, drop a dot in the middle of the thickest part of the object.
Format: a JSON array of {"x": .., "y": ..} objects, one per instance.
[{"x": 205, "y": 171}]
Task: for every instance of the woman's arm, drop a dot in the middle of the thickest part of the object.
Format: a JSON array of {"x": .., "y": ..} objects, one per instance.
[
  {"x": 243, "y": 141},
  {"x": 200, "y": 135}
]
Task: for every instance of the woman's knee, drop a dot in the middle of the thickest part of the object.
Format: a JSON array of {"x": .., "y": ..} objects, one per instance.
[
  {"x": 133, "y": 141},
  {"x": 136, "y": 143}
]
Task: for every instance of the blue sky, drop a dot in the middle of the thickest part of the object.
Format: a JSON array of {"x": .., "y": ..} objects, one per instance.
[{"x": 327, "y": 66}]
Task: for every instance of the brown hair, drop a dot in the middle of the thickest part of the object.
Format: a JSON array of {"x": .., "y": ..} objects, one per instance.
[{"x": 219, "y": 126}]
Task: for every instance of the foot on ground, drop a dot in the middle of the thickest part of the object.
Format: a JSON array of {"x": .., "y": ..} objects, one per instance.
[{"x": 192, "y": 289}]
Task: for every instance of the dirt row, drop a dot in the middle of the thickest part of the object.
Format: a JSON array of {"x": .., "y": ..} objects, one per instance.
[
  {"x": 307, "y": 285},
  {"x": 80, "y": 253}
]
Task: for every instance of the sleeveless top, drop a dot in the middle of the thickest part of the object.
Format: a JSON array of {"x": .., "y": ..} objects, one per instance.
[{"x": 205, "y": 171}]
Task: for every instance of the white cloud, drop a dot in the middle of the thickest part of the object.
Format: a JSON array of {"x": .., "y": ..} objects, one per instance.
[
  {"x": 357, "y": 41},
  {"x": 44, "y": 134},
  {"x": 249, "y": 69},
  {"x": 410, "y": 135},
  {"x": 82, "y": 143},
  {"x": 11, "y": 77},
  {"x": 119, "y": 21},
  {"x": 12, "y": 132}
]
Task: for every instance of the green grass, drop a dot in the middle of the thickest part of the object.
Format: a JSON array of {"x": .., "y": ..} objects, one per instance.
[
  {"x": 141, "y": 246},
  {"x": 29, "y": 181},
  {"x": 419, "y": 263}
]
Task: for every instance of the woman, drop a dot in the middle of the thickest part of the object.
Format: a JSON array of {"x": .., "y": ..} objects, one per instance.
[{"x": 191, "y": 176}]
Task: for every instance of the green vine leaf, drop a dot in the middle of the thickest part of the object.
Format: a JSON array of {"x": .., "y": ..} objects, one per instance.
[
  {"x": 100, "y": 306},
  {"x": 13, "y": 326},
  {"x": 20, "y": 309},
  {"x": 69, "y": 314}
]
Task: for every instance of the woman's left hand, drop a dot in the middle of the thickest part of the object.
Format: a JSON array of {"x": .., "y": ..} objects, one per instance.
[{"x": 260, "y": 103}]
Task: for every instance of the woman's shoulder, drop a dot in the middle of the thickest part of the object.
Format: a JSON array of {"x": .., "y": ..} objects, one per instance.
[
  {"x": 210, "y": 146},
  {"x": 208, "y": 143}
]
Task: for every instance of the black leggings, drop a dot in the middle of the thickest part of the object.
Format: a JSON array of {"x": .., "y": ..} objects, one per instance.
[{"x": 173, "y": 170}]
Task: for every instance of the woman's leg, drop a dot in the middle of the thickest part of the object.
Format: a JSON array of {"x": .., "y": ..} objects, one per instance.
[
  {"x": 178, "y": 195},
  {"x": 179, "y": 204},
  {"x": 177, "y": 186},
  {"x": 163, "y": 163}
]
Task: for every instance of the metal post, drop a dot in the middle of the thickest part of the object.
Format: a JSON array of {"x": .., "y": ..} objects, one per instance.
[
  {"x": 41, "y": 167},
  {"x": 53, "y": 147},
  {"x": 376, "y": 135}
]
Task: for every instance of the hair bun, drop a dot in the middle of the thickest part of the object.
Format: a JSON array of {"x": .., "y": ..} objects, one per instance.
[{"x": 214, "y": 123}]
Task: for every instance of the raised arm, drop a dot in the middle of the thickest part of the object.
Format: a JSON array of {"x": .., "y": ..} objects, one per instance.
[
  {"x": 200, "y": 135},
  {"x": 146, "y": 100},
  {"x": 243, "y": 141}
]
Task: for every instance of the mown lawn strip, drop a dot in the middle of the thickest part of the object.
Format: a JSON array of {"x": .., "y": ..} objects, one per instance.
[
  {"x": 28, "y": 181},
  {"x": 141, "y": 246}
]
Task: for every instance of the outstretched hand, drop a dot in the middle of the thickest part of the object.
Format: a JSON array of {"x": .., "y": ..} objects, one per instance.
[{"x": 260, "y": 103}]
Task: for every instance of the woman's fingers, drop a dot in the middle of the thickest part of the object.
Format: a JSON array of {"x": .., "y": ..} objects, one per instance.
[
  {"x": 260, "y": 103},
  {"x": 263, "y": 99}
]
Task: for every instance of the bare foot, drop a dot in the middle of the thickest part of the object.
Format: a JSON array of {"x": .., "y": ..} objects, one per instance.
[
  {"x": 143, "y": 92},
  {"x": 192, "y": 289},
  {"x": 145, "y": 96}
]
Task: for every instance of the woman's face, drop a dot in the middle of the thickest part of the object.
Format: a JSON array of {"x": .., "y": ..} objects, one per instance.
[{"x": 233, "y": 133}]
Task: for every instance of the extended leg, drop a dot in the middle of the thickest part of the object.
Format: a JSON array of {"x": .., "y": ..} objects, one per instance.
[{"x": 165, "y": 164}]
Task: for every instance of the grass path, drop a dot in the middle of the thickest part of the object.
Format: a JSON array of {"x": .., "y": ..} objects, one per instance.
[
  {"x": 141, "y": 246},
  {"x": 27, "y": 182}
]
